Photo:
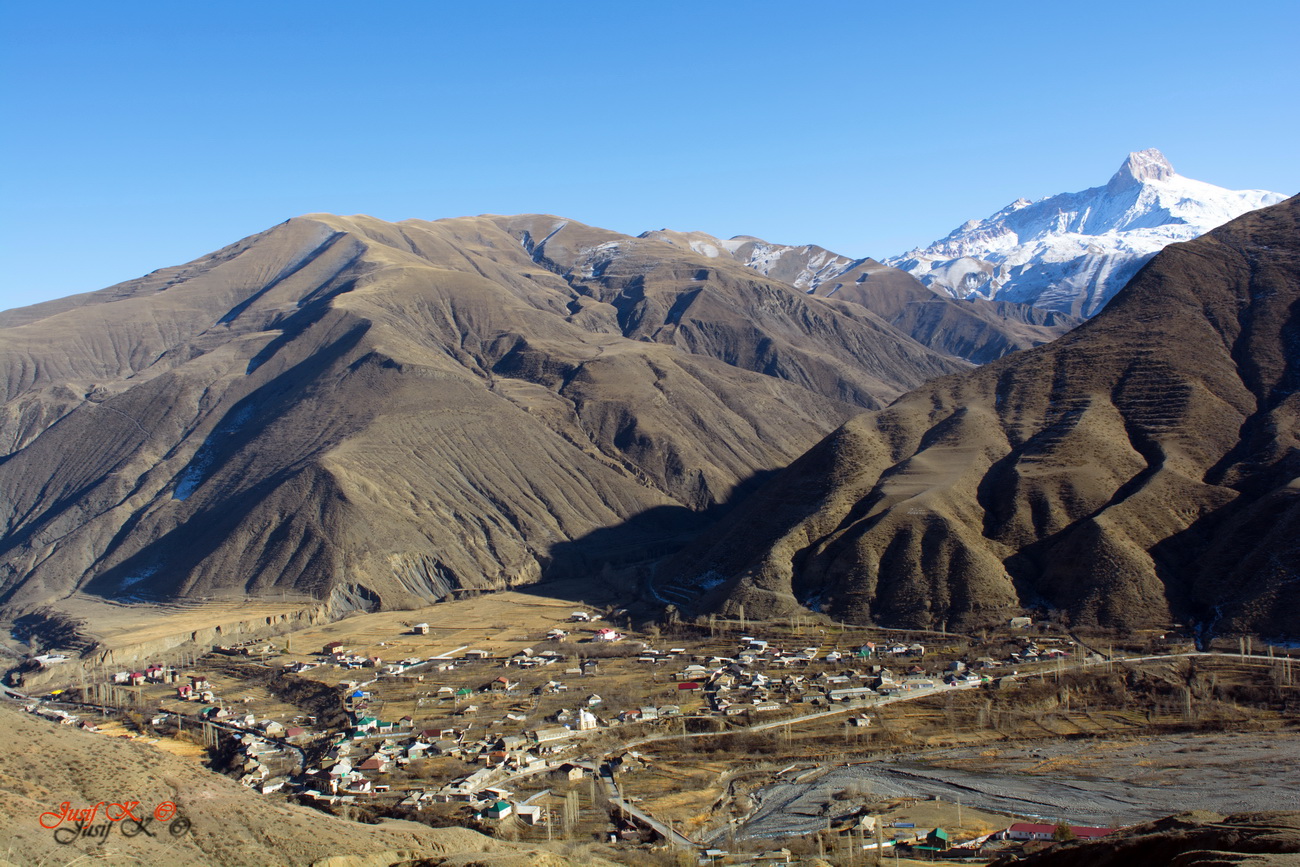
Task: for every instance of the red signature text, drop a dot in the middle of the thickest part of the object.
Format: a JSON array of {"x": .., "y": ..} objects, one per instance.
[
  {"x": 113, "y": 812},
  {"x": 70, "y": 824}
]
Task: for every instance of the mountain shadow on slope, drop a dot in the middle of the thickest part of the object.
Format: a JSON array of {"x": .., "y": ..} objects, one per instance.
[
  {"x": 376, "y": 414},
  {"x": 1140, "y": 469}
]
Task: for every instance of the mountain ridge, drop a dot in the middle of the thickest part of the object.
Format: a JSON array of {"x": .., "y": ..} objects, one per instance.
[
  {"x": 379, "y": 414},
  {"x": 1139, "y": 469},
  {"x": 974, "y": 330}
]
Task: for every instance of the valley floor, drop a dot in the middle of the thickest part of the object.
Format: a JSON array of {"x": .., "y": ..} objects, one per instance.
[
  {"x": 711, "y": 734},
  {"x": 1110, "y": 783}
]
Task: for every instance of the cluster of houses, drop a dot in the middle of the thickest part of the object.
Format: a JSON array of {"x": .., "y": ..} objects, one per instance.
[
  {"x": 938, "y": 844},
  {"x": 372, "y": 747},
  {"x": 61, "y": 717},
  {"x": 153, "y": 674},
  {"x": 757, "y": 678},
  {"x": 193, "y": 687},
  {"x": 262, "y": 765},
  {"x": 744, "y": 683},
  {"x": 336, "y": 653}
]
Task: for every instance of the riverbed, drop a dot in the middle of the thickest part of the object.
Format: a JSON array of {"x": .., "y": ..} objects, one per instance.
[{"x": 1083, "y": 782}]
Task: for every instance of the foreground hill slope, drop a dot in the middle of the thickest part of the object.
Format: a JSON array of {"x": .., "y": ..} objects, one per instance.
[
  {"x": 1189, "y": 840},
  {"x": 43, "y": 765},
  {"x": 1145, "y": 466},
  {"x": 373, "y": 414}
]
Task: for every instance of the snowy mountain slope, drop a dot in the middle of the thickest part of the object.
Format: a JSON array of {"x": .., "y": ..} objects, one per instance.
[
  {"x": 1072, "y": 252},
  {"x": 804, "y": 267},
  {"x": 973, "y": 330}
]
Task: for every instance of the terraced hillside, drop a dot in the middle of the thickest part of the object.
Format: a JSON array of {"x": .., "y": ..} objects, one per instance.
[{"x": 1144, "y": 467}]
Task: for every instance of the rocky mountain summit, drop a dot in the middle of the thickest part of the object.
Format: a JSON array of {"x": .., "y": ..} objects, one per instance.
[{"x": 1072, "y": 252}]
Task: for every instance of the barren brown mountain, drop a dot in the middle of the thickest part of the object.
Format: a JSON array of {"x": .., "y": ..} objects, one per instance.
[
  {"x": 373, "y": 414},
  {"x": 1144, "y": 467}
]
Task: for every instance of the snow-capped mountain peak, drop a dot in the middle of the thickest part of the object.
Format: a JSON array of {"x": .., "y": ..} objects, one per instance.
[
  {"x": 1147, "y": 165},
  {"x": 1073, "y": 251}
]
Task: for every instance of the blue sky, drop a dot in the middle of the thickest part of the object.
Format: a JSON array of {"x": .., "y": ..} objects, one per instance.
[{"x": 141, "y": 135}]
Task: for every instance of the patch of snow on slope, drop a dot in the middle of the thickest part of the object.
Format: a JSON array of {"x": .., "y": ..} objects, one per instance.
[
  {"x": 132, "y": 580},
  {"x": 196, "y": 471}
]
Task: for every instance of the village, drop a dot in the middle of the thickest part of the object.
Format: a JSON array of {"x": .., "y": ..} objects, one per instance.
[{"x": 573, "y": 726}]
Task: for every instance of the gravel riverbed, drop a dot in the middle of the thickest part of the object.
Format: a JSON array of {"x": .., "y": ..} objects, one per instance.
[{"x": 1084, "y": 782}]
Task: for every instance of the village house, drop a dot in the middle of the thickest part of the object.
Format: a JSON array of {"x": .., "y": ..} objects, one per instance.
[
  {"x": 551, "y": 735},
  {"x": 376, "y": 763},
  {"x": 569, "y": 772},
  {"x": 1035, "y": 831},
  {"x": 499, "y": 684},
  {"x": 510, "y": 742},
  {"x": 854, "y": 693}
]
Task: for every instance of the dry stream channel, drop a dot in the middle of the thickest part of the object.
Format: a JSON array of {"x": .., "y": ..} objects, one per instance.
[{"x": 1084, "y": 782}]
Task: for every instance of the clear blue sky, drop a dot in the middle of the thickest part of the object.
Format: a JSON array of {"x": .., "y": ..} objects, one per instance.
[{"x": 143, "y": 134}]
